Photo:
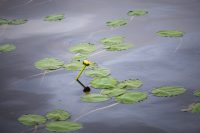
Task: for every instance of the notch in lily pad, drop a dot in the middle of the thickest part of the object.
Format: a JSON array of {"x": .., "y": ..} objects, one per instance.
[
  {"x": 170, "y": 33},
  {"x": 116, "y": 23},
  {"x": 104, "y": 83},
  {"x": 58, "y": 115},
  {"x": 49, "y": 64},
  {"x": 194, "y": 108},
  {"x": 7, "y": 47},
  {"x": 31, "y": 119},
  {"x": 130, "y": 84},
  {"x": 83, "y": 48},
  {"x": 58, "y": 17},
  {"x": 138, "y": 12},
  {"x": 94, "y": 98},
  {"x": 168, "y": 91}
]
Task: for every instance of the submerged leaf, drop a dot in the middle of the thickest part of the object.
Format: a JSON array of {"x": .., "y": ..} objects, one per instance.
[
  {"x": 130, "y": 84},
  {"x": 7, "y": 48},
  {"x": 104, "y": 83},
  {"x": 49, "y": 64},
  {"x": 170, "y": 33},
  {"x": 58, "y": 115},
  {"x": 137, "y": 13},
  {"x": 32, "y": 120},
  {"x": 167, "y": 91},
  {"x": 54, "y": 17},
  {"x": 131, "y": 97},
  {"x": 97, "y": 72},
  {"x": 63, "y": 126},
  {"x": 83, "y": 48},
  {"x": 194, "y": 108},
  {"x": 114, "y": 92},
  {"x": 112, "y": 40},
  {"x": 94, "y": 98},
  {"x": 197, "y": 93},
  {"x": 117, "y": 22}
]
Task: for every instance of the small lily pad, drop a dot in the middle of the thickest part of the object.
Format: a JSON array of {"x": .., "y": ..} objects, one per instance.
[
  {"x": 74, "y": 66},
  {"x": 17, "y": 21},
  {"x": 114, "y": 92},
  {"x": 117, "y": 23},
  {"x": 49, "y": 64},
  {"x": 32, "y": 120},
  {"x": 3, "y": 21},
  {"x": 118, "y": 47},
  {"x": 194, "y": 108},
  {"x": 83, "y": 48},
  {"x": 7, "y": 48},
  {"x": 131, "y": 97},
  {"x": 167, "y": 91},
  {"x": 58, "y": 115},
  {"x": 130, "y": 84},
  {"x": 197, "y": 93},
  {"x": 58, "y": 17},
  {"x": 112, "y": 40},
  {"x": 170, "y": 33},
  {"x": 97, "y": 72},
  {"x": 137, "y": 13},
  {"x": 104, "y": 83},
  {"x": 94, "y": 98},
  {"x": 63, "y": 126}
]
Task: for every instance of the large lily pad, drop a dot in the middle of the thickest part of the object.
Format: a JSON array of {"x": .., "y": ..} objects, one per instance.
[
  {"x": 104, "y": 83},
  {"x": 97, "y": 72},
  {"x": 63, "y": 126},
  {"x": 58, "y": 115},
  {"x": 49, "y": 64},
  {"x": 194, "y": 108},
  {"x": 17, "y": 21},
  {"x": 7, "y": 48},
  {"x": 197, "y": 93},
  {"x": 117, "y": 23},
  {"x": 170, "y": 33},
  {"x": 112, "y": 40},
  {"x": 31, "y": 119},
  {"x": 130, "y": 84},
  {"x": 167, "y": 91},
  {"x": 118, "y": 47},
  {"x": 58, "y": 17},
  {"x": 114, "y": 92},
  {"x": 94, "y": 98},
  {"x": 137, "y": 13},
  {"x": 131, "y": 97},
  {"x": 83, "y": 48},
  {"x": 74, "y": 66}
]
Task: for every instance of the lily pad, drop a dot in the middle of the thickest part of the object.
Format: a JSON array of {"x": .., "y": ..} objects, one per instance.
[
  {"x": 170, "y": 33},
  {"x": 63, "y": 126},
  {"x": 112, "y": 40},
  {"x": 94, "y": 98},
  {"x": 130, "y": 84},
  {"x": 80, "y": 57},
  {"x": 7, "y": 48},
  {"x": 83, "y": 48},
  {"x": 114, "y": 92},
  {"x": 104, "y": 83},
  {"x": 58, "y": 17},
  {"x": 116, "y": 23},
  {"x": 97, "y": 72},
  {"x": 49, "y": 64},
  {"x": 194, "y": 108},
  {"x": 3, "y": 21},
  {"x": 17, "y": 21},
  {"x": 197, "y": 93},
  {"x": 74, "y": 66},
  {"x": 32, "y": 120},
  {"x": 167, "y": 91},
  {"x": 58, "y": 115},
  {"x": 137, "y": 13},
  {"x": 118, "y": 47},
  {"x": 131, "y": 97}
]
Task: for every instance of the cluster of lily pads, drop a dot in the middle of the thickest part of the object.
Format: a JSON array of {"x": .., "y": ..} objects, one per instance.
[{"x": 56, "y": 121}]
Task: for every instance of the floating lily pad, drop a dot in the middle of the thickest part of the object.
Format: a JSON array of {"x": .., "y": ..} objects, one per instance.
[
  {"x": 137, "y": 13},
  {"x": 7, "y": 48},
  {"x": 114, "y": 92},
  {"x": 58, "y": 115},
  {"x": 170, "y": 33},
  {"x": 17, "y": 21},
  {"x": 104, "y": 83},
  {"x": 94, "y": 98},
  {"x": 131, "y": 97},
  {"x": 3, "y": 21},
  {"x": 167, "y": 91},
  {"x": 194, "y": 108},
  {"x": 112, "y": 40},
  {"x": 83, "y": 48},
  {"x": 80, "y": 57},
  {"x": 117, "y": 23},
  {"x": 58, "y": 17},
  {"x": 197, "y": 93},
  {"x": 130, "y": 84},
  {"x": 97, "y": 72},
  {"x": 32, "y": 120},
  {"x": 49, "y": 64},
  {"x": 118, "y": 47},
  {"x": 74, "y": 66},
  {"x": 63, "y": 126}
]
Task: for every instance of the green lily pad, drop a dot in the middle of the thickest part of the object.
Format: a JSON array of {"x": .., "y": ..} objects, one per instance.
[
  {"x": 58, "y": 115},
  {"x": 74, "y": 66},
  {"x": 116, "y": 23},
  {"x": 130, "y": 84},
  {"x": 58, "y": 17},
  {"x": 63, "y": 126},
  {"x": 112, "y": 40},
  {"x": 32, "y": 120},
  {"x": 131, "y": 97},
  {"x": 118, "y": 47},
  {"x": 114, "y": 92},
  {"x": 7, "y": 48},
  {"x": 80, "y": 57},
  {"x": 137, "y": 13},
  {"x": 170, "y": 33},
  {"x": 94, "y": 98},
  {"x": 167, "y": 91},
  {"x": 97, "y": 72},
  {"x": 3, "y": 21},
  {"x": 49, "y": 64},
  {"x": 83, "y": 48},
  {"x": 194, "y": 108},
  {"x": 104, "y": 83},
  {"x": 17, "y": 21},
  {"x": 197, "y": 93}
]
